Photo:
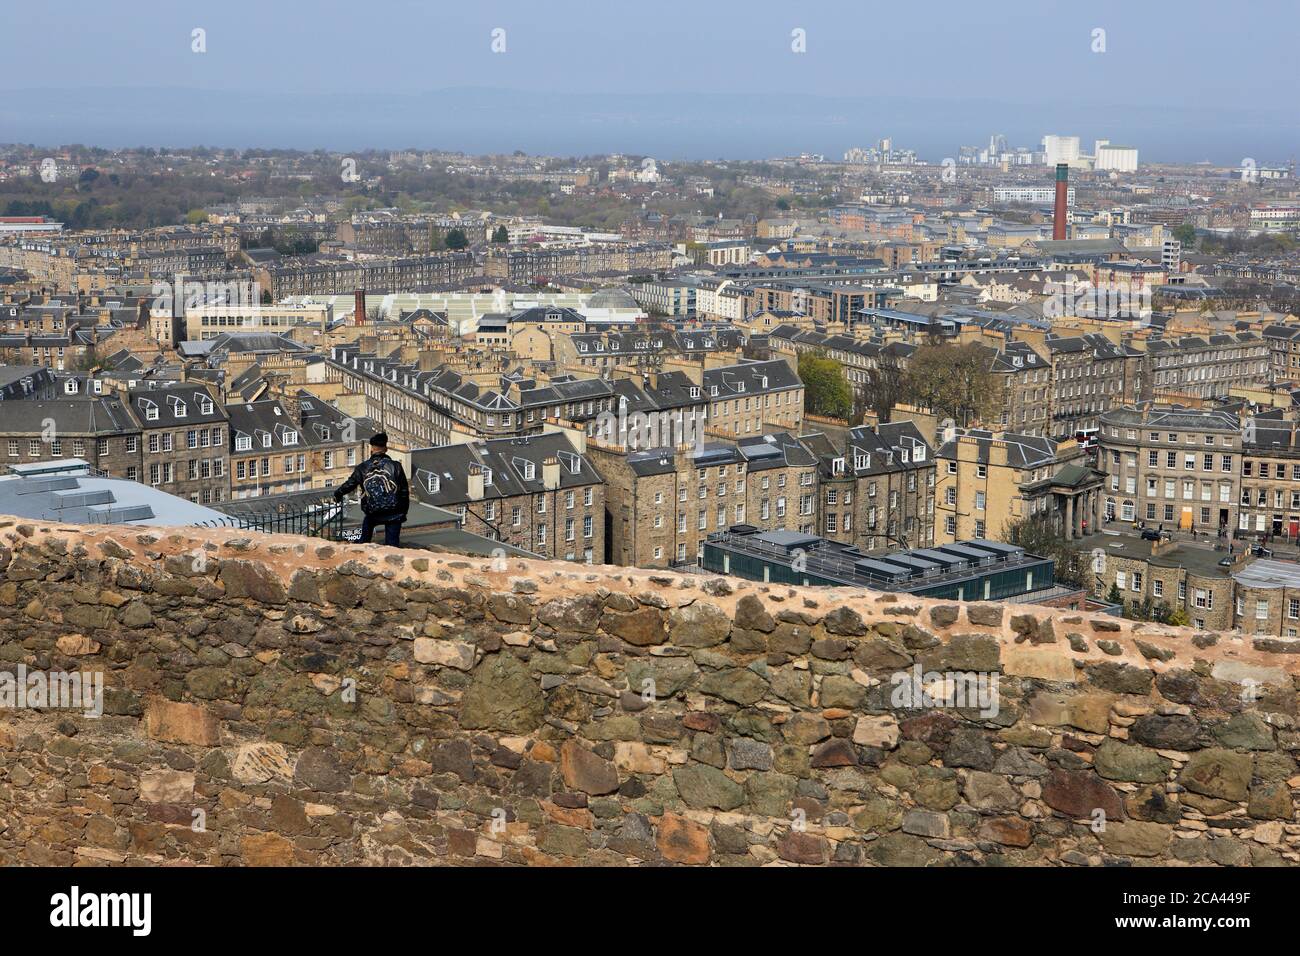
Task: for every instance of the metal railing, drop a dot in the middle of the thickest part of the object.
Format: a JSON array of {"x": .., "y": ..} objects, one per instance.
[{"x": 312, "y": 514}]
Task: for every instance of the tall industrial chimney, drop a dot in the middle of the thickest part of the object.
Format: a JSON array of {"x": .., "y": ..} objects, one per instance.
[
  {"x": 1062, "y": 188},
  {"x": 359, "y": 308}
]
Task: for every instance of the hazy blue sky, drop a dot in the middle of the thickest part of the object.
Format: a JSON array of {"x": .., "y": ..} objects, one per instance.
[{"x": 1190, "y": 79}]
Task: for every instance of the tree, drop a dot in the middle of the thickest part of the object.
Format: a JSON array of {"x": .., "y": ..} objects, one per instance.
[
  {"x": 955, "y": 381},
  {"x": 195, "y": 216},
  {"x": 500, "y": 234},
  {"x": 1186, "y": 234},
  {"x": 1039, "y": 535},
  {"x": 886, "y": 386},
  {"x": 826, "y": 393},
  {"x": 1176, "y": 617},
  {"x": 456, "y": 239}
]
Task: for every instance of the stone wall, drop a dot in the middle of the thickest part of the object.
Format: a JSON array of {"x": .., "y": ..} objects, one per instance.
[{"x": 282, "y": 700}]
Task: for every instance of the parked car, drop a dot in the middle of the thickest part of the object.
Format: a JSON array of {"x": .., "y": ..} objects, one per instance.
[{"x": 1152, "y": 534}]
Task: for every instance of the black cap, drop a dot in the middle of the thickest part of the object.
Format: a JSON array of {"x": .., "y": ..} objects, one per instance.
[{"x": 379, "y": 440}]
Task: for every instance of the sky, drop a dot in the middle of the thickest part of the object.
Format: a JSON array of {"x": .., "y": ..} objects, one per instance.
[{"x": 1185, "y": 80}]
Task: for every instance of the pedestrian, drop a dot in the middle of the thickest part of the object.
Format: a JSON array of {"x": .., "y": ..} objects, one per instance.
[{"x": 385, "y": 495}]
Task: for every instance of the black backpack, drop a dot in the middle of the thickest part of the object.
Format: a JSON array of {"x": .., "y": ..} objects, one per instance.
[{"x": 379, "y": 491}]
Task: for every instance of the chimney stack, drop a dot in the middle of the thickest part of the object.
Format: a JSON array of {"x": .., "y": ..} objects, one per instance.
[
  {"x": 474, "y": 486},
  {"x": 1062, "y": 191},
  {"x": 550, "y": 473},
  {"x": 359, "y": 308}
]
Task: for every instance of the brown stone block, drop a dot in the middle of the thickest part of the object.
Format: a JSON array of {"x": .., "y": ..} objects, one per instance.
[
  {"x": 266, "y": 849},
  {"x": 682, "y": 841},
  {"x": 182, "y": 723}
]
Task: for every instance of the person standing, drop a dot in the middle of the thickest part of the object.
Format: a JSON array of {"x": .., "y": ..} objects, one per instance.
[{"x": 385, "y": 495}]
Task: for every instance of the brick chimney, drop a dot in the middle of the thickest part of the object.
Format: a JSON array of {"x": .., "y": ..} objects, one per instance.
[
  {"x": 1059, "y": 212},
  {"x": 359, "y": 307}
]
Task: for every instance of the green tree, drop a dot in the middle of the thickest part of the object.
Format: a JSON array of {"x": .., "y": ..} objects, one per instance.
[
  {"x": 826, "y": 393},
  {"x": 500, "y": 234},
  {"x": 1186, "y": 234},
  {"x": 1039, "y": 535},
  {"x": 196, "y": 216},
  {"x": 456, "y": 239}
]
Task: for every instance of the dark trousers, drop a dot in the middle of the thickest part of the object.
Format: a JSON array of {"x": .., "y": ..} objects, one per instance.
[{"x": 392, "y": 528}]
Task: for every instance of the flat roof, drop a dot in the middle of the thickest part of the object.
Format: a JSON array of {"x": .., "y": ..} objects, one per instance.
[{"x": 1269, "y": 573}]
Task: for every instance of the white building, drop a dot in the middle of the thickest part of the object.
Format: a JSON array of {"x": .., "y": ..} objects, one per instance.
[
  {"x": 1041, "y": 195},
  {"x": 1061, "y": 149},
  {"x": 1121, "y": 159}
]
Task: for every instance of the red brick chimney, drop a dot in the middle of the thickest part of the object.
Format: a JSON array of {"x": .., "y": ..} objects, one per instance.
[
  {"x": 359, "y": 308},
  {"x": 1062, "y": 190}
]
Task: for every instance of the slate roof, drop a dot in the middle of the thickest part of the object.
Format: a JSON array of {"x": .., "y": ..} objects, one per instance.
[
  {"x": 1023, "y": 451},
  {"x": 506, "y": 458}
]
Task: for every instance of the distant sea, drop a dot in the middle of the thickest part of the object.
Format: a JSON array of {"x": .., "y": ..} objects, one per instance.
[{"x": 668, "y": 127}]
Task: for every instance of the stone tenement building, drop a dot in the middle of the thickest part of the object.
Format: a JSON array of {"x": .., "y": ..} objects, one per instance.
[
  {"x": 876, "y": 488},
  {"x": 329, "y": 275},
  {"x": 664, "y": 502},
  {"x": 988, "y": 481},
  {"x": 1256, "y": 597},
  {"x": 522, "y": 265},
  {"x": 1177, "y": 467},
  {"x": 338, "y": 705},
  {"x": 537, "y": 493}
]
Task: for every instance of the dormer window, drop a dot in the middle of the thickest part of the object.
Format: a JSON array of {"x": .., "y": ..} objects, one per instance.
[
  {"x": 150, "y": 410},
  {"x": 266, "y": 439},
  {"x": 243, "y": 443},
  {"x": 740, "y": 386},
  {"x": 290, "y": 437},
  {"x": 713, "y": 390},
  {"x": 837, "y": 466},
  {"x": 695, "y": 391},
  {"x": 205, "y": 406},
  {"x": 487, "y": 476},
  {"x": 530, "y": 471},
  {"x": 433, "y": 483},
  {"x": 861, "y": 461}
]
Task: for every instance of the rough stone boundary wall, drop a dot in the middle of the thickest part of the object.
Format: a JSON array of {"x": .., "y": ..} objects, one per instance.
[{"x": 281, "y": 700}]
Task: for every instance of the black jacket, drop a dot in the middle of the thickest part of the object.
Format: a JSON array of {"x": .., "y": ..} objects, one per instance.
[{"x": 358, "y": 476}]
